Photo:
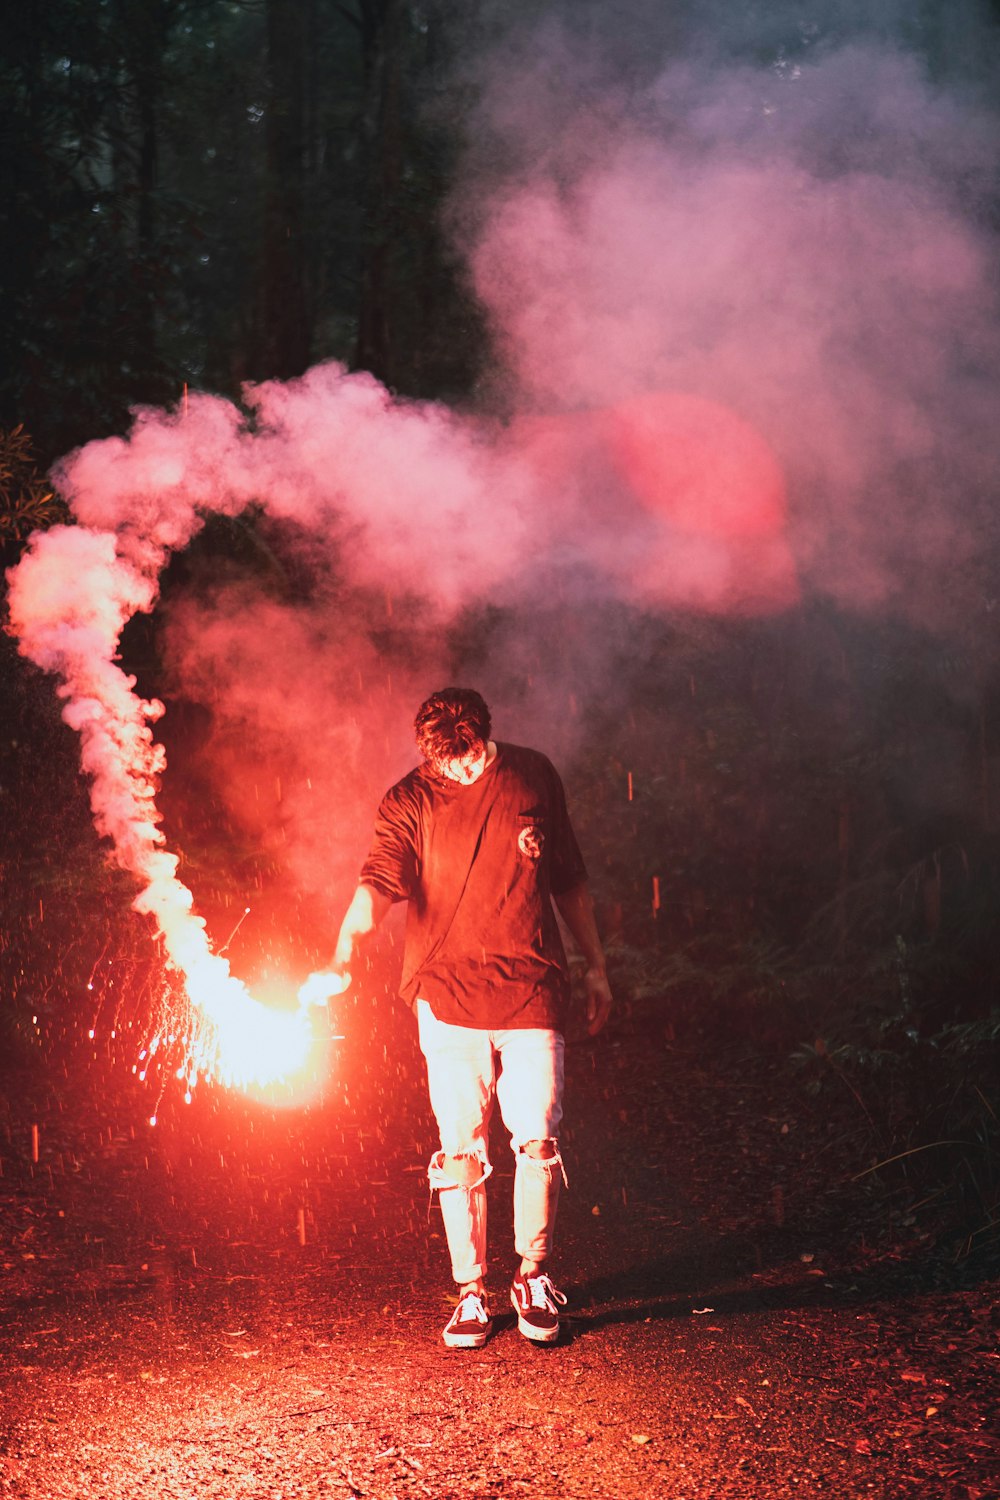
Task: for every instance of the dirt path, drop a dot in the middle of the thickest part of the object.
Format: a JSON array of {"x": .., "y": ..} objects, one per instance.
[{"x": 166, "y": 1334}]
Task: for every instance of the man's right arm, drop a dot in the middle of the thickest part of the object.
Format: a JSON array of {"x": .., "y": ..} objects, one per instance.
[{"x": 368, "y": 907}]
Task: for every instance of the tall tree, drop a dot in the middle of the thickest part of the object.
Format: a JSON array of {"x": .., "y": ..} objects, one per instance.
[
  {"x": 142, "y": 28},
  {"x": 381, "y": 47},
  {"x": 287, "y": 322},
  {"x": 418, "y": 329}
]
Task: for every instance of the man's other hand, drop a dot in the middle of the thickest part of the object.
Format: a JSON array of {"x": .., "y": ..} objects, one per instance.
[{"x": 599, "y": 999}]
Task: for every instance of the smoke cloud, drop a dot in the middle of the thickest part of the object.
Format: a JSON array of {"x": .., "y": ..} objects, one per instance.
[
  {"x": 805, "y": 242},
  {"x": 748, "y": 350}
]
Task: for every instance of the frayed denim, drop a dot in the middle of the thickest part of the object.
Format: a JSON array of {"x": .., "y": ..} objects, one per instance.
[{"x": 522, "y": 1071}]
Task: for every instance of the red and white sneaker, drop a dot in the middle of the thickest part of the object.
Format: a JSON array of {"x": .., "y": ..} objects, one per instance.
[
  {"x": 470, "y": 1325},
  {"x": 536, "y": 1302}
]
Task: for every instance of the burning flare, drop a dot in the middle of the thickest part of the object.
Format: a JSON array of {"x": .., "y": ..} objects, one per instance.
[{"x": 70, "y": 597}]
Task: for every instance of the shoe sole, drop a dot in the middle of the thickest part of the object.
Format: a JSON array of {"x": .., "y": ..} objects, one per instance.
[
  {"x": 530, "y": 1331},
  {"x": 467, "y": 1340}
]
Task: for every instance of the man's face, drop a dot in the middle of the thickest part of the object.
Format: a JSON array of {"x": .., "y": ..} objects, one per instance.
[{"x": 465, "y": 769}]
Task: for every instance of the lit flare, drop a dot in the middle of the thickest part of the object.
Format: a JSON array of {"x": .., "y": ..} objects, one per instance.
[
  {"x": 69, "y": 599},
  {"x": 321, "y": 986}
]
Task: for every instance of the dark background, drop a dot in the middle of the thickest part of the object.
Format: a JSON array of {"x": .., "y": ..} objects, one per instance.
[
  {"x": 210, "y": 193},
  {"x": 202, "y": 193}
]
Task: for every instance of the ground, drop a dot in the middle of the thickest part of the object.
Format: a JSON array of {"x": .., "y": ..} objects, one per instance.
[{"x": 247, "y": 1301}]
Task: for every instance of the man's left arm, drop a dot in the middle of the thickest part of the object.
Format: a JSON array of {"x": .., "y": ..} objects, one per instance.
[{"x": 576, "y": 907}]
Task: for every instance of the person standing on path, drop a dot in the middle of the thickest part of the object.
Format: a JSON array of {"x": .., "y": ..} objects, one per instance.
[{"x": 478, "y": 842}]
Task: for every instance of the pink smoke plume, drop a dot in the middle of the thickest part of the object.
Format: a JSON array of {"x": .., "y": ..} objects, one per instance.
[{"x": 70, "y": 598}]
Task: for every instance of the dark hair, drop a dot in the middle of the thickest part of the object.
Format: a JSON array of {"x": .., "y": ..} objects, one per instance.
[{"x": 452, "y": 723}]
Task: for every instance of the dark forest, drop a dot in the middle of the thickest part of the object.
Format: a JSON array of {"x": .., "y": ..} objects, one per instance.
[{"x": 787, "y": 783}]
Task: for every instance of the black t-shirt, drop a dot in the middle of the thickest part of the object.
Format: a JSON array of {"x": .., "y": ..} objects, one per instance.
[{"x": 478, "y": 865}]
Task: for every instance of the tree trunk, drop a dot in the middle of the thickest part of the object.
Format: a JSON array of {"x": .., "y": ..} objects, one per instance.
[
  {"x": 148, "y": 86},
  {"x": 381, "y": 26},
  {"x": 143, "y": 30},
  {"x": 287, "y": 332}
]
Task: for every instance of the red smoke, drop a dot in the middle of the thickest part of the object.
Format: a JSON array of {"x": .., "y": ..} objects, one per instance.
[
  {"x": 710, "y": 477},
  {"x": 806, "y": 245},
  {"x": 675, "y": 501},
  {"x": 698, "y": 464}
]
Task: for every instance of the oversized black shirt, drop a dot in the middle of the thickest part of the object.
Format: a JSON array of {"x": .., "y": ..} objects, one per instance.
[{"x": 478, "y": 865}]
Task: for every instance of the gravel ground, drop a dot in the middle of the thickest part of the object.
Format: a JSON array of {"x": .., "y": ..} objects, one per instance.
[{"x": 247, "y": 1301}]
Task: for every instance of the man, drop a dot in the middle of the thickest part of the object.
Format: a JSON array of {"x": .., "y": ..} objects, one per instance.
[{"x": 478, "y": 842}]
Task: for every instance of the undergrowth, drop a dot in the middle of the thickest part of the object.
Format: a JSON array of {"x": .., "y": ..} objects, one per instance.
[{"x": 901, "y": 1040}]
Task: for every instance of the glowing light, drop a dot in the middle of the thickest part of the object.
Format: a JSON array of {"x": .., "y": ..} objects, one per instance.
[
  {"x": 70, "y": 596},
  {"x": 701, "y": 465},
  {"x": 322, "y": 986},
  {"x": 232, "y": 1037},
  {"x": 715, "y": 491}
]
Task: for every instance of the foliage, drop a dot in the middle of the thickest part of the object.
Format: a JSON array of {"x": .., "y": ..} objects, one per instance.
[
  {"x": 904, "y": 1046},
  {"x": 914, "y": 1037},
  {"x": 27, "y": 503},
  {"x": 827, "y": 888}
]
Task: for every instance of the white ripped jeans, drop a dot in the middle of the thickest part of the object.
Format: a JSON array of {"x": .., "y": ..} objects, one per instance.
[{"x": 464, "y": 1080}]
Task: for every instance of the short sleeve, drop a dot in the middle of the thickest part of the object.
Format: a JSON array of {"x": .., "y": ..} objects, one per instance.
[{"x": 391, "y": 865}]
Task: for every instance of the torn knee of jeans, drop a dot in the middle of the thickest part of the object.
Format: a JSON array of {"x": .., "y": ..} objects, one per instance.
[
  {"x": 547, "y": 1148},
  {"x": 465, "y": 1169},
  {"x": 543, "y": 1166}
]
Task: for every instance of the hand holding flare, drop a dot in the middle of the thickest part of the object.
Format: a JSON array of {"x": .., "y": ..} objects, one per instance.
[{"x": 322, "y": 986}]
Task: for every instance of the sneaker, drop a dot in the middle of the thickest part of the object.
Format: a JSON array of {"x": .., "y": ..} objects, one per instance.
[
  {"x": 537, "y": 1304},
  {"x": 470, "y": 1325}
]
